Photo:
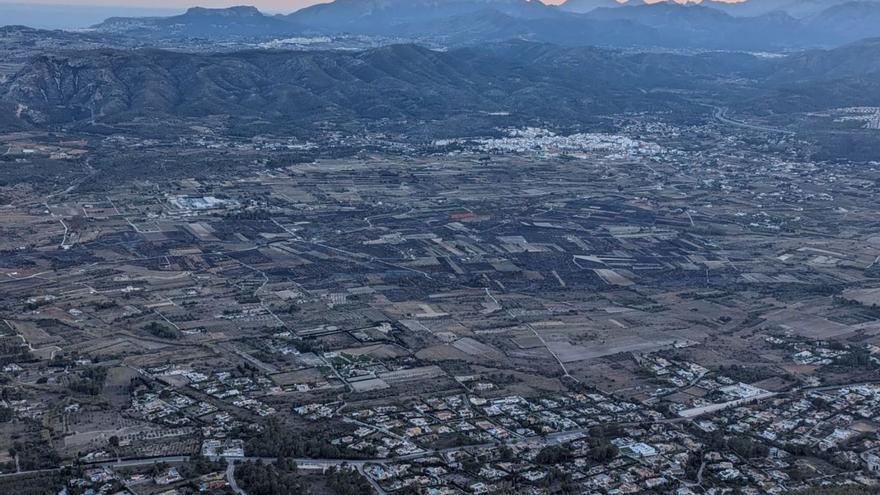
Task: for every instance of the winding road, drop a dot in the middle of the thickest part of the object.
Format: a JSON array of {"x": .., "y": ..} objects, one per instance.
[{"x": 720, "y": 114}]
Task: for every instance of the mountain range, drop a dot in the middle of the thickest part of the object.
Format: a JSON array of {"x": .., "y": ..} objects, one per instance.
[
  {"x": 382, "y": 16},
  {"x": 775, "y": 25},
  {"x": 528, "y": 82},
  {"x": 798, "y": 9},
  {"x": 202, "y": 22}
]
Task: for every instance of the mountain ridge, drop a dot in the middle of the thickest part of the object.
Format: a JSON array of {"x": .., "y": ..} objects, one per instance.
[
  {"x": 403, "y": 82},
  {"x": 463, "y": 22}
]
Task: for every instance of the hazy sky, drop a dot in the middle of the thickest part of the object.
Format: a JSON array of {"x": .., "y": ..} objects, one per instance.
[
  {"x": 273, "y": 5},
  {"x": 268, "y": 5}
]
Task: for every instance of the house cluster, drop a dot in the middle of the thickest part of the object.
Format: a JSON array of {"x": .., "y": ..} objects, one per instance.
[
  {"x": 678, "y": 374},
  {"x": 812, "y": 352},
  {"x": 394, "y": 430},
  {"x": 635, "y": 460},
  {"x": 25, "y": 408},
  {"x": 756, "y": 450},
  {"x": 213, "y": 142},
  {"x": 94, "y": 481},
  {"x": 171, "y": 403},
  {"x": 239, "y": 390},
  {"x": 837, "y": 425},
  {"x": 868, "y": 116},
  {"x": 169, "y": 408},
  {"x": 105, "y": 480},
  {"x": 707, "y": 390},
  {"x": 223, "y": 447},
  {"x": 531, "y": 140}
]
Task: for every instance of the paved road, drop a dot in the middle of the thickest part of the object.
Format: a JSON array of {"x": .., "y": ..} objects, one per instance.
[
  {"x": 230, "y": 477},
  {"x": 711, "y": 408},
  {"x": 375, "y": 428},
  {"x": 374, "y": 483},
  {"x": 23, "y": 473},
  {"x": 720, "y": 115}
]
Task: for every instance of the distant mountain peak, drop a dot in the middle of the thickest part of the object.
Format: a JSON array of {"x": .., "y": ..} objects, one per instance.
[
  {"x": 204, "y": 22},
  {"x": 585, "y": 6},
  {"x": 712, "y": 24},
  {"x": 377, "y": 16},
  {"x": 240, "y": 11}
]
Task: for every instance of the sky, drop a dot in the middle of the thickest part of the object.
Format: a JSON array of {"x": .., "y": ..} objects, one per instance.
[
  {"x": 268, "y": 5},
  {"x": 58, "y": 14},
  {"x": 77, "y": 14}
]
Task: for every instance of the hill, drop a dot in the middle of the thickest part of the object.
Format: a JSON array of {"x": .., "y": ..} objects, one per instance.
[
  {"x": 531, "y": 82},
  {"x": 584, "y": 6},
  {"x": 383, "y": 16},
  {"x": 454, "y": 23},
  {"x": 201, "y": 22},
  {"x": 799, "y": 9}
]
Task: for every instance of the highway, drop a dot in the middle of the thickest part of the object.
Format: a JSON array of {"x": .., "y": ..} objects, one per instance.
[{"x": 720, "y": 115}]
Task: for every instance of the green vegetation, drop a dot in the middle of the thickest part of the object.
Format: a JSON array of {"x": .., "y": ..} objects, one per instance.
[
  {"x": 199, "y": 465},
  {"x": 554, "y": 454},
  {"x": 282, "y": 478},
  {"x": 33, "y": 484},
  {"x": 747, "y": 447},
  {"x": 856, "y": 358},
  {"x": 750, "y": 374},
  {"x": 13, "y": 351},
  {"x": 348, "y": 482},
  {"x": 90, "y": 381},
  {"x": 35, "y": 455},
  {"x": 277, "y": 441},
  {"x": 163, "y": 331},
  {"x": 692, "y": 468},
  {"x": 601, "y": 450},
  {"x": 258, "y": 478},
  {"x": 840, "y": 490},
  {"x": 742, "y": 445}
]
